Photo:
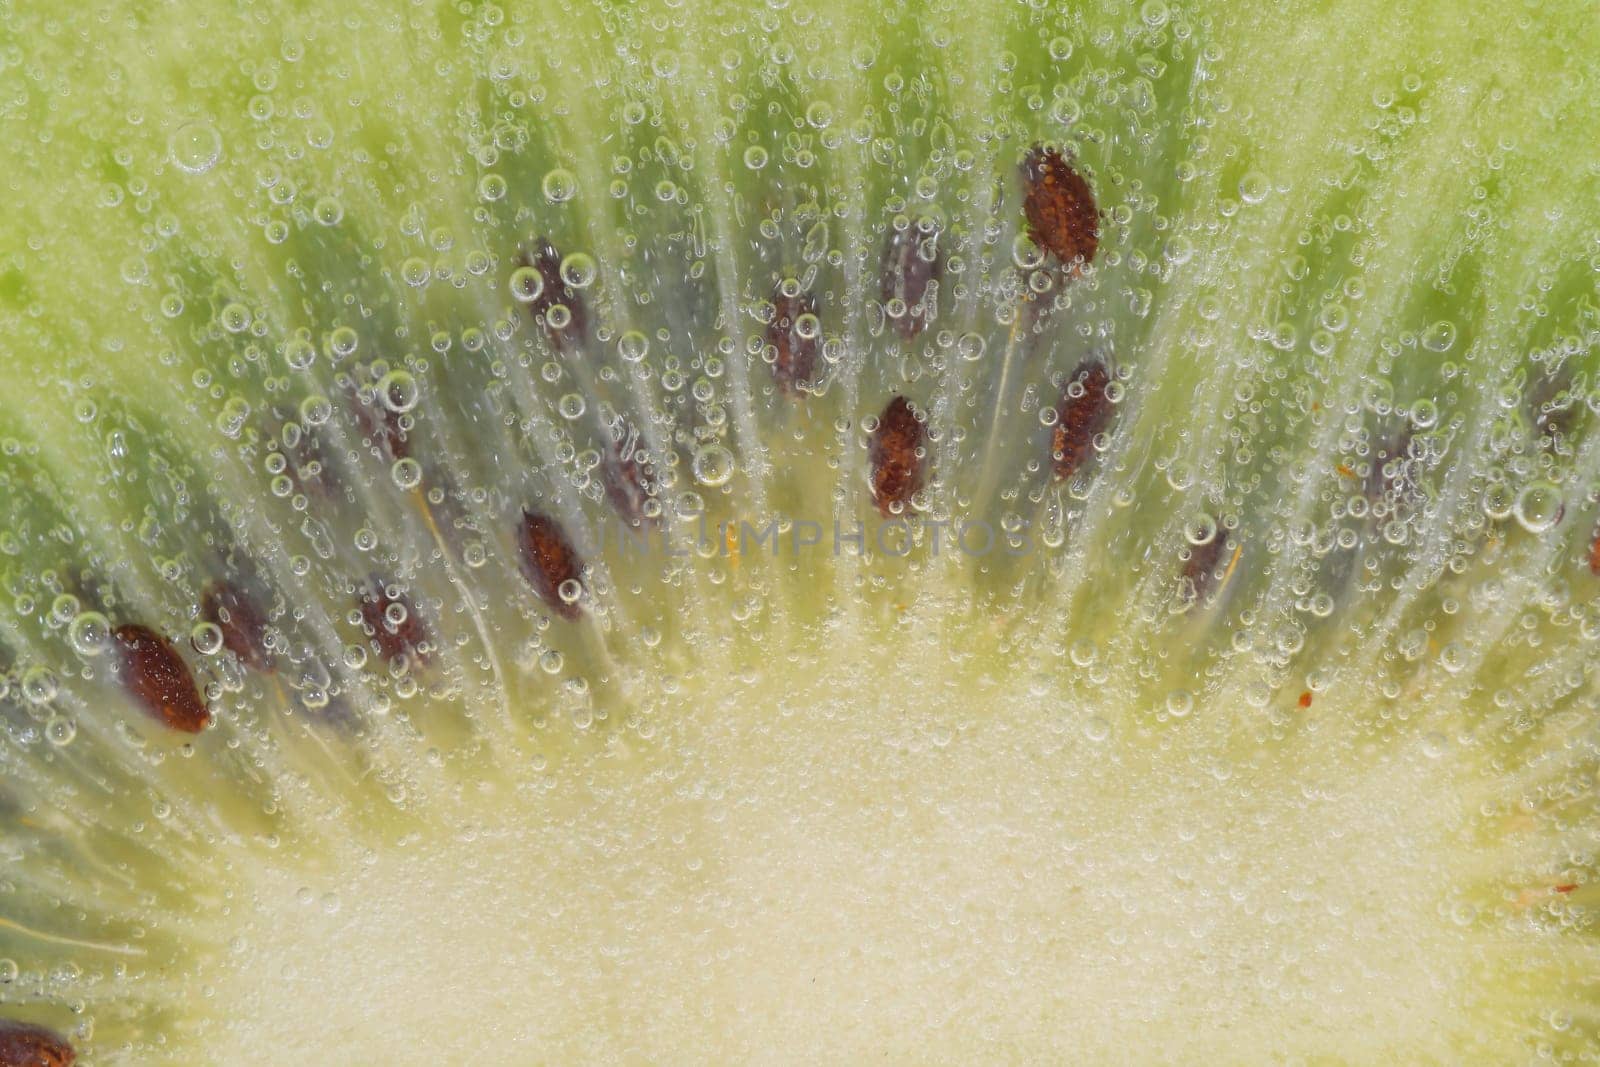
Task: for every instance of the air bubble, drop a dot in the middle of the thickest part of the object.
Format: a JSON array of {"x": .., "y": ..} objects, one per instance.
[
  {"x": 90, "y": 633},
  {"x": 399, "y": 391},
  {"x": 316, "y": 410},
  {"x": 299, "y": 353},
  {"x": 415, "y": 272},
  {"x": 1254, "y": 187},
  {"x": 578, "y": 270},
  {"x": 59, "y": 731},
  {"x": 63, "y": 609},
  {"x": 492, "y": 187},
  {"x": 235, "y": 318},
  {"x": 206, "y": 637},
  {"x": 231, "y": 419},
  {"x": 713, "y": 466},
  {"x": 559, "y": 185},
  {"x": 1440, "y": 337},
  {"x": 633, "y": 346},
  {"x": 343, "y": 341},
  {"x": 1025, "y": 253},
  {"x": 571, "y": 406},
  {"x": 328, "y": 211},
  {"x": 1200, "y": 530},
  {"x": 1539, "y": 506},
  {"x": 407, "y": 473},
  {"x": 195, "y": 147},
  {"x": 39, "y": 685},
  {"x": 527, "y": 284}
]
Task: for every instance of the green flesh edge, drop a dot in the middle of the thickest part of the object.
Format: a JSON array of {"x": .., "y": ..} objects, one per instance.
[{"x": 930, "y": 808}]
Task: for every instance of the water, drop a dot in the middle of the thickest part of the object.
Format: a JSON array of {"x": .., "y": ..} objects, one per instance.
[{"x": 1270, "y": 716}]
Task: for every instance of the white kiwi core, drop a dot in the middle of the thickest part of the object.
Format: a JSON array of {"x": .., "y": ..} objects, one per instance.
[{"x": 874, "y": 847}]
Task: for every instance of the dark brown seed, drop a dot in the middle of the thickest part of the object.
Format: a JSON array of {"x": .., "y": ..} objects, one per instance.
[
  {"x": 1200, "y": 569},
  {"x": 1594, "y": 554},
  {"x": 1060, "y": 208},
  {"x": 911, "y": 261},
  {"x": 393, "y": 639},
  {"x": 897, "y": 469},
  {"x": 627, "y": 479},
  {"x": 307, "y": 467},
  {"x": 549, "y": 560},
  {"x": 244, "y": 628},
  {"x": 547, "y": 261},
  {"x": 1555, "y": 407},
  {"x": 795, "y": 364},
  {"x": 26, "y": 1045},
  {"x": 157, "y": 677},
  {"x": 381, "y": 425},
  {"x": 1083, "y": 412},
  {"x": 1392, "y": 473}
]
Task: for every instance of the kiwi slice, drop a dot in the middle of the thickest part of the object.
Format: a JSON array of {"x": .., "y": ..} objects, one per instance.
[{"x": 800, "y": 530}]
